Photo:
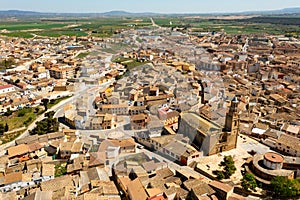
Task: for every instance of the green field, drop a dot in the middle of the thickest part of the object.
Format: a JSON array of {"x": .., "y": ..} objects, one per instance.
[
  {"x": 245, "y": 26},
  {"x": 103, "y": 27},
  {"x": 97, "y": 27},
  {"x": 27, "y": 26},
  {"x": 83, "y": 55},
  {"x": 17, "y": 120},
  {"x": 58, "y": 33},
  {"x": 18, "y": 34}
]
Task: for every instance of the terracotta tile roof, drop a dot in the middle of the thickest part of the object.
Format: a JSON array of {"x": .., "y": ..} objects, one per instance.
[
  {"x": 164, "y": 173},
  {"x": 57, "y": 183},
  {"x": 17, "y": 150},
  {"x": 198, "y": 186},
  {"x": 123, "y": 143},
  {"x": 48, "y": 169},
  {"x": 66, "y": 146},
  {"x": 97, "y": 158},
  {"x": 40, "y": 195},
  {"x": 27, "y": 140},
  {"x": 124, "y": 181},
  {"x": 13, "y": 177},
  {"x": 153, "y": 192},
  {"x": 141, "y": 116},
  {"x": 290, "y": 141},
  {"x": 5, "y": 86},
  {"x": 136, "y": 190},
  {"x": 221, "y": 186},
  {"x": 77, "y": 147},
  {"x": 34, "y": 146},
  {"x": 55, "y": 135}
]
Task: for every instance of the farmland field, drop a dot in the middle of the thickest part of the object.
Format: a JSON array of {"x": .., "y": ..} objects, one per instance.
[
  {"x": 106, "y": 26},
  {"x": 271, "y": 25},
  {"x": 97, "y": 27}
]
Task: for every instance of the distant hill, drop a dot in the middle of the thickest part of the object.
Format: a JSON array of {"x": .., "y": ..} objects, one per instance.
[
  {"x": 275, "y": 12},
  {"x": 290, "y": 10},
  {"x": 124, "y": 13},
  {"x": 18, "y": 13}
]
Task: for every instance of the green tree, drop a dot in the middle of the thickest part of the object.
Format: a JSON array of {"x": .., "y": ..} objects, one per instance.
[
  {"x": 17, "y": 81},
  {"x": 249, "y": 182},
  {"x": 22, "y": 112},
  {"x": 60, "y": 170},
  {"x": 36, "y": 109},
  {"x": 50, "y": 114},
  {"x": 284, "y": 187},
  {"x": 220, "y": 175},
  {"x": 45, "y": 103},
  {"x": 6, "y": 128},
  {"x": 47, "y": 125},
  {"x": 7, "y": 63},
  {"x": 228, "y": 168},
  {"x": 2, "y": 129},
  {"x": 27, "y": 121},
  {"x": 8, "y": 112}
]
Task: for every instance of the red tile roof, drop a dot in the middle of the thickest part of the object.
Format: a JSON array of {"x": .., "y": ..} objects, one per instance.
[{"x": 5, "y": 86}]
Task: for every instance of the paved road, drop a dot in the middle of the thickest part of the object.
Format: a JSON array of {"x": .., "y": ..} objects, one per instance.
[
  {"x": 58, "y": 107},
  {"x": 153, "y": 23}
]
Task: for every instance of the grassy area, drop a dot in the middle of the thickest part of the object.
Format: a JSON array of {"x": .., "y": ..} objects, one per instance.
[
  {"x": 58, "y": 33},
  {"x": 83, "y": 55},
  {"x": 18, "y": 34},
  {"x": 56, "y": 101},
  {"x": 10, "y": 136},
  {"x": 169, "y": 21},
  {"x": 239, "y": 27},
  {"x": 30, "y": 25},
  {"x": 102, "y": 34},
  {"x": 98, "y": 27},
  {"x": 129, "y": 63},
  {"x": 21, "y": 117},
  {"x": 107, "y": 26}
]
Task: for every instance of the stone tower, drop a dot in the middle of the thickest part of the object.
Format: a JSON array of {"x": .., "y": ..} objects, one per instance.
[
  {"x": 201, "y": 93},
  {"x": 232, "y": 124}
]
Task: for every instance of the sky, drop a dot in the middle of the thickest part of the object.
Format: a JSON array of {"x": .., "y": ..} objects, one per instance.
[{"x": 158, "y": 6}]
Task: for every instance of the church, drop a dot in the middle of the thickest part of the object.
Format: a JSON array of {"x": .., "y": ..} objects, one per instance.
[{"x": 208, "y": 136}]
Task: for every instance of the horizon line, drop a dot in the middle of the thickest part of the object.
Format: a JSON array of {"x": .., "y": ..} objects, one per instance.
[{"x": 151, "y": 12}]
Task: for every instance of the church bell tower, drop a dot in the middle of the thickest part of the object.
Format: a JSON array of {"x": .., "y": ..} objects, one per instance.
[{"x": 232, "y": 123}]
